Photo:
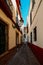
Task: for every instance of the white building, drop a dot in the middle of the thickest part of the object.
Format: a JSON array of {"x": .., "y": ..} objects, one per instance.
[{"x": 35, "y": 23}]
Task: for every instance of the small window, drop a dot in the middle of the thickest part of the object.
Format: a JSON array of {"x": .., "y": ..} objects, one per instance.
[
  {"x": 31, "y": 37},
  {"x": 35, "y": 34},
  {"x": 24, "y": 35},
  {"x": 33, "y": 2},
  {"x": 30, "y": 18}
]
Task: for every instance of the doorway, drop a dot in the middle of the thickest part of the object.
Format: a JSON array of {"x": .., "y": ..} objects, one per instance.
[
  {"x": 3, "y": 37},
  {"x": 17, "y": 39}
]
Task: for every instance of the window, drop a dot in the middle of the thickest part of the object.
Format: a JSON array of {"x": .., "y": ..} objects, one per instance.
[
  {"x": 35, "y": 34},
  {"x": 33, "y": 2},
  {"x": 9, "y": 4},
  {"x": 17, "y": 39},
  {"x": 30, "y": 18},
  {"x": 24, "y": 35},
  {"x": 16, "y": 17},
  {"x": 31, "y": 37}
]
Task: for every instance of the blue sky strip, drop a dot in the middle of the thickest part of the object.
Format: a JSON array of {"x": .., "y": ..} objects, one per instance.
[{"x": 25, "y": 4}]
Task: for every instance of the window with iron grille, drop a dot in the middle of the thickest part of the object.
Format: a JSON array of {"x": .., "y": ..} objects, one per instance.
[{"x": 35, "y": 34}]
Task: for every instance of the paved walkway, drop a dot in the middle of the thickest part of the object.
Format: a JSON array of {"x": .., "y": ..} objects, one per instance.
[{"x": 24, "y": 57}]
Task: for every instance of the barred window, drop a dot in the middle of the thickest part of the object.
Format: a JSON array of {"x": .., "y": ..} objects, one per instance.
[{"x": 35, "y": 34}]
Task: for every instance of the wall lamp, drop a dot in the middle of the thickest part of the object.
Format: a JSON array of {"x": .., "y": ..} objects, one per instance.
[{"x": 13, "y": 26}]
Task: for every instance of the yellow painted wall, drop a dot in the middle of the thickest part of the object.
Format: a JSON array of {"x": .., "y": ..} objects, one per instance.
[{"x": 11, "y": 29}]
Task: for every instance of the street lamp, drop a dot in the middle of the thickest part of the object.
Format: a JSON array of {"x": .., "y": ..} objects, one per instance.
[
  {"x": 21, "y": 22},
  {"x": 13, "y": 26}
]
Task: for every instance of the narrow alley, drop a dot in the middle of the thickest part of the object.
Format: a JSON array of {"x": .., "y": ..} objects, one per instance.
[
  {"x": 21, "y": 32},
  {"x": 24, "y": 56}
]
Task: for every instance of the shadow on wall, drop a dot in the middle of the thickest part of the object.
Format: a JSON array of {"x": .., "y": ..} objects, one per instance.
[{"x": 38, "y": 52}]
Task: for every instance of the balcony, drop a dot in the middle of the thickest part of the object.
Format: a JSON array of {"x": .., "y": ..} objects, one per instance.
[
  {"x": 6, "y": 9},
  {"x": 19, "y": 22}
]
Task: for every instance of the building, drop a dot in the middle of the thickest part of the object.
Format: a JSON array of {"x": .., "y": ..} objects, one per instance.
[
  {"x": 35, "y": 23},
  {"x": 10, "y": 33}
]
